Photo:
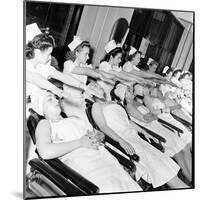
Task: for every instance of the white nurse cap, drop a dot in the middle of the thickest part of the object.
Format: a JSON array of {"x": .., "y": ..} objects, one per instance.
[{"x": 76, "y": 41}]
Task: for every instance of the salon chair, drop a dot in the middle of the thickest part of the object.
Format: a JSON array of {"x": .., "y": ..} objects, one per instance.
[{"x": 58, "y": 176}]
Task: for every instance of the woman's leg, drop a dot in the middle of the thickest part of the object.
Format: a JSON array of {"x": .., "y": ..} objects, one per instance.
[
  {"x": 184, "y": 160},
  {"x": 177, "y": 183}
]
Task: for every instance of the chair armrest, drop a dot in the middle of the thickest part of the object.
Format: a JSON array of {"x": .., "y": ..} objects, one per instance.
[
  {"x": 74, "y": 176},
  {"x": 122, "y": 160},
  {"x": 65, "y": 185},
  {"x": 152, "y": 133},
  {"x": 170, "y": 125},
  {"x": 108, "y": 139},
  {"x": 183, "y": 121}
]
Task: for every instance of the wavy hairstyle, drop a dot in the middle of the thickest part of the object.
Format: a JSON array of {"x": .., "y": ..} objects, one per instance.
[
  {"x": 71, "y": 55},
  {"x": 42, "y": 42},
  {"x": 112, "y": 53}
]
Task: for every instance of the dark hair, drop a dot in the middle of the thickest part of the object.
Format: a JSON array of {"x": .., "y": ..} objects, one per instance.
[
  {"x": 153, "y": 62},
  {"x": 42, "y": 42},
  {"x": 176, "y": 72},
  {"x": 112, "y": 53},
  {"x": 167, "y": 72},
  {"x": 183, "y": 75},
  {"x": 71, "y": 55},
  {"x": 112, "y": 92},
  {"x": 130, "y": 57}
]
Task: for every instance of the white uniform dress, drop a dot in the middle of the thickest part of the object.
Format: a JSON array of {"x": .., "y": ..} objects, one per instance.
[
  {"x": 76, "y": 105},
  {"x": 43, "y": 70},
  {"x": 173, "y": 144},
  {"x": 158, "y": 168},
  {"x": 128, "y": 67},
  {"x": 105, "y": 66},
  {"x": 98, "y": 166},
  {"x": 186, "y": 136}
]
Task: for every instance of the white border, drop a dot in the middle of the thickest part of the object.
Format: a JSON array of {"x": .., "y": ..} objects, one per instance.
[{"x": 11, "y": 76}]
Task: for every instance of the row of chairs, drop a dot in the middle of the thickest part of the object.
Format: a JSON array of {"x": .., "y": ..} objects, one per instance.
[{"x": 53, "y": 178}]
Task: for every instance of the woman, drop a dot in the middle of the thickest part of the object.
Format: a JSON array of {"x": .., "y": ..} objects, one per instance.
[
  {"x": 74, "y": 143},
  {"x": 132, "y": 61},
  {"x": 175, "y": 77},
  {"x": 174, "y": 146},
  {"x": 158, "y": 106},
  {"x": 131, "y": 68},
  {"x": 76, "y": 65},
  {"x": 112, "y": 119},
  {"x": 111, "y": 65},
  {"x": 38, "y": 70}
]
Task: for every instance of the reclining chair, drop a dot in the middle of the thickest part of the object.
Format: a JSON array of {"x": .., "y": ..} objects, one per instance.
[{"x": 52, "y": 177}]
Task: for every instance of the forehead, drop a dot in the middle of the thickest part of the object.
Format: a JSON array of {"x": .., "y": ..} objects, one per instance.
[
  {"x": 137, "y": 55},
  {"x": 47, "y": 50},
  {"x": 118, "y": 55},
  {"x": 85, "y": 49},
  {"x": 48, "y": 96}
]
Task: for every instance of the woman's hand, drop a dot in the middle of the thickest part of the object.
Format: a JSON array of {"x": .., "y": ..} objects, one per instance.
[
  {"x": 127, "y": 147},
  {"x": 149, "y": 117},
  {"x": 89, "y": 142},
  {"x": 166, "y": 110},
  {"x": 106, "y": 79}
]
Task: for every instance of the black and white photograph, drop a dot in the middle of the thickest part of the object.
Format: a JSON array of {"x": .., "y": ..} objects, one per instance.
[{"x": 108, "y": 100}]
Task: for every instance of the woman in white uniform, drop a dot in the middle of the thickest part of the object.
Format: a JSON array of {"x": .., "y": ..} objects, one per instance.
[
  {"x": 174, "y": 146},
  {"x": 68, "y": 140},
  {"x": 111, "y": 65},
  {"x": 132, "y": 60},
  {"x": 38, "y": 70},
  {"x": 154, "y": 167},
  {"x": 76, "y": 65}
]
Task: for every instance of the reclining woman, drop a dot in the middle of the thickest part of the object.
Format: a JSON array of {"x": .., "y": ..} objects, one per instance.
[
  {"x": 157, "y": 105},
  {"x": 72, "y": 141},
  {"x": 112, "y": 119},
  {"x": 174, "y": 146}
]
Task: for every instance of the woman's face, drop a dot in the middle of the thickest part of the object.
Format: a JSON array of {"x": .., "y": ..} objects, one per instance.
[
  {"x": 117, "y": 59},
  {"x": 44, "y": 56},
  {"x": 96, "y": 87},
  {"x": 136, "y": 59},
  {"x": 154, "y": 92},
  {"x": 129, "y": 94},
  {"x": 83, "y": 55},
  {"x": 153, "y": 68},
  {"x": 51, "y": 105},
  {"x": 169, "y": 75},
  {"x": 177, "y": 75}
]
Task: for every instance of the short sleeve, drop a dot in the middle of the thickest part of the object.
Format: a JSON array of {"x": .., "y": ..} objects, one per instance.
[
  {"x": 68, "y": 66},
  {"x": 45, "y": 70},
  {"x": 104, "y": 66},
  {"x": 126, "y": 67}
]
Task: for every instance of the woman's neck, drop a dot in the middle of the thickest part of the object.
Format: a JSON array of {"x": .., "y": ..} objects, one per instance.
[
  {"x": 77, "y": 62},
  {"x": 34, "y": 62},
  {"x": 53, "y": 117}
]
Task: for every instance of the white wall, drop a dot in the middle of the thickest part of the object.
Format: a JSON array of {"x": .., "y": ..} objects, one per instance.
[
  {"x": 184, "y": 53},
  {"x": 96, "y": 24}
]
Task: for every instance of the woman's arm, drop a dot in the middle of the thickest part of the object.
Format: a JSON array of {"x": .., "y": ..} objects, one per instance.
[
  {"x": 41, "y": 82},
  {"x": 134, "y": 112},
  {"x": 101, "y": 122},
  {"x": 86, "y": 71},
  {"x": 49, "y": 150},
  {"x": 148, "y": 103}
]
